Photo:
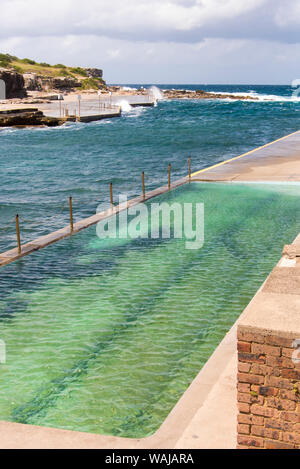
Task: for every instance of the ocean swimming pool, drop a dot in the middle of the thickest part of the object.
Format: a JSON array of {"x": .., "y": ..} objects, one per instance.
[{"x": 105, "y": 337}]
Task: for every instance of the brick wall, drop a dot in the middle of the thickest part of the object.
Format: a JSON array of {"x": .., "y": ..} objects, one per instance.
[{"x": 268, "y": 392}]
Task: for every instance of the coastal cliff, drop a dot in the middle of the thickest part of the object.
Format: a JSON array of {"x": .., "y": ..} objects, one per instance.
[
  {"x": 15, "y": 84},
  {"x": 23, "y": 76}
]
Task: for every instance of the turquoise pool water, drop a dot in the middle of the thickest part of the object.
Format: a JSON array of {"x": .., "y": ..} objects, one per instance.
[{"x": 105, "y": 337}]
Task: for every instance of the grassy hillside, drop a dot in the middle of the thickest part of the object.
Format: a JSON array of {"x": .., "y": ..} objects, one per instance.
[{"x": 45, "y": 69}]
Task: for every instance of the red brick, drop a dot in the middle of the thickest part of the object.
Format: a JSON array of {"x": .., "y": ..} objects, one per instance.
[
  {"x": 278, "y": 341},
  {"x": 243, "y": 387},
  {"x": 287, "y": 405},
  {"x": 276, "y": 372},
  {"x": 264, "y": 411},
  {"x": 244, "y": 346},
  {"x": 250, "y": 378},
  {"x": 257, "y": 430},
  {"x": 244, "y": 367},
  {"x": 250, "y": 337},
  {"x": 267, "y": 391},
  {"x": 242, "y": 428},
  {"x": 279, "y": 425},
  {"x": 291, "y": 438},
  {"x": 278, "y": 445},
  {"x": 291, "y": 395},
  {"x": 245, "y": 418},
  {"x": 243, "y": 397},
  {"x": 293, "y": 417},
  {"x": 265, "y": 432},
  {"x": 278, "y": 382},
  {"x": 255, "y": 387},
  {"x": 264, "y": 370},
  {"x": 287, "y": 352},
  {"x": 282, "y": 362},
  {"x": 249, "y": 398},
  {"x": 243, "y": 407},
  {"x": 250, "y": 441},
  {"x": 297, "y": 428},
  {"x": 290, "y": 374},
  {"x": 281, "y": 404},
  {"x": 251, "y": 357},
  {"x": 257, "y": 420},
  {"x": 250, "y": 419},
  {"x": 265, "y": 350}
]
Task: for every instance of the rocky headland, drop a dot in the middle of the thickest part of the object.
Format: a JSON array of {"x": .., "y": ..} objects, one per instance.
[
  {"x": 25, "y": 78},
  {"x": 30, "y": 83},
  {"x": 200, "y": 94}
]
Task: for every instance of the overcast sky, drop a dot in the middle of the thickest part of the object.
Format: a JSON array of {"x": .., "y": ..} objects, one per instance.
[{"x": 160, "y": 41}]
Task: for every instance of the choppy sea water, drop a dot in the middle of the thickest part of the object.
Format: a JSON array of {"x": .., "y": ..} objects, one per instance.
[
  {"x": 105, "y": 336},
  {"x": 41, "y": 168}
]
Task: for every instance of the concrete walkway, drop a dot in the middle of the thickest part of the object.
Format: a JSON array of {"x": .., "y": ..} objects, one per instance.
[{"x": 276, "y": 161}]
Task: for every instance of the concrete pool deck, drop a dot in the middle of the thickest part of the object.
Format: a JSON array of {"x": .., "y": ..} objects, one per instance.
[
  {"x": 275, "y": 161},
  {"x": 206, "y": 414}
]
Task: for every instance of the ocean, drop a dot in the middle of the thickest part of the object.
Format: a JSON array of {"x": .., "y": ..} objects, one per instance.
[{"x": 41, "y": 168}]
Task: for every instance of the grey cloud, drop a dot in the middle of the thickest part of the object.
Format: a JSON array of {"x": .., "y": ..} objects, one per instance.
[{"x": 259, "y": 22}]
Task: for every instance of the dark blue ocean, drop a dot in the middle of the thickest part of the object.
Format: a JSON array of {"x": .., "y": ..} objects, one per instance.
[{"x": 41, "y": 168}]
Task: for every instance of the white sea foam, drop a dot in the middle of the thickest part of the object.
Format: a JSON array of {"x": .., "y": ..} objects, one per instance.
[
  {"x": 136, "y": 111},
  {"x": 128, "y": 88},
  {"x": 124, "y": 105},
  {"x": 7, "y": 130},
  {"x": 294, "y": 98},
  {"x": 259, "y": 96},
  {"x": 156, "y": 93}
]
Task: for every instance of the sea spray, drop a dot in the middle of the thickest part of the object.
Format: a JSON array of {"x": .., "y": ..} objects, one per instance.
[
  {"x": 157, "y": 94},
  {"x": 125, "y": 106}
]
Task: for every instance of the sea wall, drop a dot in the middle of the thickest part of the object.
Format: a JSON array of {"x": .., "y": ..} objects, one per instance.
[{"x": 268, "y": 379}]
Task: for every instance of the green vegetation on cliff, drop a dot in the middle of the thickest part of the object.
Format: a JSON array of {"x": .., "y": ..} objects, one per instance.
[{"x": 44, "y": 69}]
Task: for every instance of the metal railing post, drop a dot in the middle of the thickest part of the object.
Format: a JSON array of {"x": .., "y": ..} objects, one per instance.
[
  {"x": 18, "y": 234},
  {"x": 143, "y": 180},
  {"x": 71, "y": 214},
  {"x": 111, "y": 196}
]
